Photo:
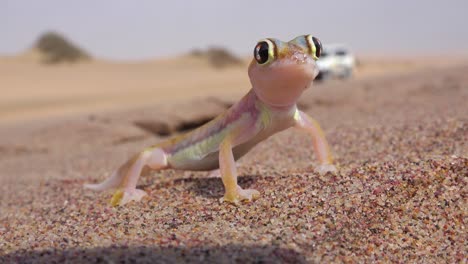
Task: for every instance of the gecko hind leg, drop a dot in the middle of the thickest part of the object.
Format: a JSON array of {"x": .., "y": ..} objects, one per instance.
[{"x": 125, "y": 178}]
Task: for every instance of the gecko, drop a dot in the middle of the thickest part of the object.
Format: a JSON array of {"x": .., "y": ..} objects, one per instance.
[{"x": 279, "y": 73}]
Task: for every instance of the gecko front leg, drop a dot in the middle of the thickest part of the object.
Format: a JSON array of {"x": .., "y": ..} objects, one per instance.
[
  {"x": 303, "y": 121},
  {"x": 227, "y": 166}
]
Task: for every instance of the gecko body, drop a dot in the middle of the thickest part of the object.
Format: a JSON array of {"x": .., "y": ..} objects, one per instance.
[
  {"x": 279, "y": 73},
  {"x": 199, "y": 150}
]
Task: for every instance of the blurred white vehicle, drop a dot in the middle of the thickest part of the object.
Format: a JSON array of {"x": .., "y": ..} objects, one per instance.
[{"x": 336, "y": 61}]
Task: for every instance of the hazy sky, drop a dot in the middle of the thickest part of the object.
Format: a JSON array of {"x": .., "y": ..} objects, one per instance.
[{"x": 141, "y": 29}]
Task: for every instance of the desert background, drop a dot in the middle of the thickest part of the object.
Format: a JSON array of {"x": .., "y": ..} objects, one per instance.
[
  {"x": 33, "y": 90},
  {"x": 73, "y": 109}
]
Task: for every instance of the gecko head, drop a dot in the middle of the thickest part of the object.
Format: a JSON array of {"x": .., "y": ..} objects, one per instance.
[{"x": 281, "y": 71}]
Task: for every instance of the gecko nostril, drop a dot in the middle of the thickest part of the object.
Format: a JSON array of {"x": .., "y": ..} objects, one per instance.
[{"x": 299, "y": 57}]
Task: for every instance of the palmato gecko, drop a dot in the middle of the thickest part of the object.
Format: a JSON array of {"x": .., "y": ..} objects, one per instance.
[{"x": 279, "y": 73}]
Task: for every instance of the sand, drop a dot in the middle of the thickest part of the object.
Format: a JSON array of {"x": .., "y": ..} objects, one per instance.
[{"x": 399, "y": 138}]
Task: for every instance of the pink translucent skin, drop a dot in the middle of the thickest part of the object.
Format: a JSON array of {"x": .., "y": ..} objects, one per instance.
[
  {"x": 281, "y": 83},
  {"x": 265, "y": 110}
]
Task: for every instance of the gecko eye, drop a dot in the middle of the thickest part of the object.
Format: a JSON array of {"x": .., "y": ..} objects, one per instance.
[
  {"x": 318, "y": 47},
  {"x": 264, "y": 51},
  {"x": 315, "y": 46}
]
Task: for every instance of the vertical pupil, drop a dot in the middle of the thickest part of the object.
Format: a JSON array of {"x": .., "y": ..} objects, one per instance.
[
  {"x": 318, "y": 46},
  {"x": 261, "y": 52}
]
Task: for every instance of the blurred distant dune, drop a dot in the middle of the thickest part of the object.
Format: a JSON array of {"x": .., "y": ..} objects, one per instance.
[{"x": 31, "y": 88}]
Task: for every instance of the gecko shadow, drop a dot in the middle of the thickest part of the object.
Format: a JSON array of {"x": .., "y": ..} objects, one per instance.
[
  {"x": 230, "y": 253},
  {"x": 213, "y": 187}
]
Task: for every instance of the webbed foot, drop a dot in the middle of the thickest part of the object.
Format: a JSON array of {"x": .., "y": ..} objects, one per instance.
[
  {"x": 241, "y": 195},
  {"x": 122, "y": 197},
  {"x": 324, "y": 168}
]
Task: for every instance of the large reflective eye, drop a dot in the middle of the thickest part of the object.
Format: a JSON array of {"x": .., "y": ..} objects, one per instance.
[
  {"x": 318, "y": 47},
  {"x": 263, "y": 51},
  {"x": 315, "y": 45}
]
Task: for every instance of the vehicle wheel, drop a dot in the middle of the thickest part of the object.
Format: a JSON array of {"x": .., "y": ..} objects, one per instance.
[
  {"x": 319, "y": 76},
  {"x": 346, "y": 74}
]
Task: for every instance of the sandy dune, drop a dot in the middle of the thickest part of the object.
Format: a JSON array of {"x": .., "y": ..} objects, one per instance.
[
  {"x": 32, "y": 90},
  {"x": 29, "y": 89},
  {"x": 399, "y": 136}
]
